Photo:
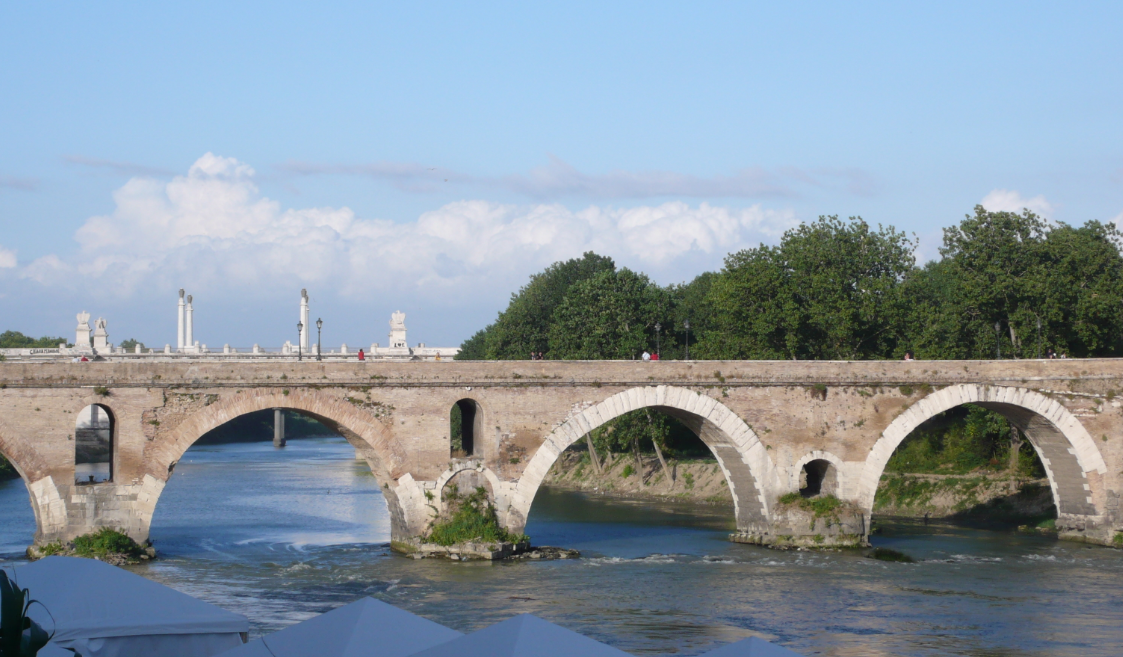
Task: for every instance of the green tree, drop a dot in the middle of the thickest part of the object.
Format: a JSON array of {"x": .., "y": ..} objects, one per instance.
[
  {"x": 524, "y": 326},
  {"x": 1003, "y": 275},
  {"x": 131, "y": 344},
  {"x": 690, "y": 302},
  {"x": 475, "y": 347},
  {"x": 610, "y": 316},
  {"x": 830, "y": 290},
  {"x": 17, "y": 340},
  {"x": 1084, "y": 280}
]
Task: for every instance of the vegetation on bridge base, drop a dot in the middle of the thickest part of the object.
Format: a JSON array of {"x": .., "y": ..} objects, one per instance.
[
  {"x": 470, "y": 519},
  {"x": 106, "y": 544},
  {"x": 820, "y": 521}
]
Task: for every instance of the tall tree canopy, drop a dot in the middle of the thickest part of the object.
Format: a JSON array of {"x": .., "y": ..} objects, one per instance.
[
  {"x": 524, "y": 327},
  {"x": 609, "y": 316},
  {"x": 17, "y": 340},
  {"x": 1012, "y": 284},
  {"x": 830, "y": 290},
  {"x": 839, "y": 289}
]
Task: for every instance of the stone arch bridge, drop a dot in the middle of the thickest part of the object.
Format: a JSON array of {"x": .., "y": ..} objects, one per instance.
[{"x": 766, "y": 422}]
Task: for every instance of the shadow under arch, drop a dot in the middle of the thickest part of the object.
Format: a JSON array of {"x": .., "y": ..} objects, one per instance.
[
  {"x": 1072, "y": 462},
  {"x": 747, "y": 467},
  {"x": 362, "y": 431}
]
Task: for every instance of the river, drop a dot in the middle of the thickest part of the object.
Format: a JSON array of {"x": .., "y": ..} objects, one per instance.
[{"x": 283, "y": 534}]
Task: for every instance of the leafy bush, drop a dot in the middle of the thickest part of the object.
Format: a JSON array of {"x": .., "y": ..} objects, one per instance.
[
  {"x": 106, "y": 541},
  {"x": 471, "y": 518},
  {"x": 628, "y": 471},
  {"x": 51, "y": 549}
]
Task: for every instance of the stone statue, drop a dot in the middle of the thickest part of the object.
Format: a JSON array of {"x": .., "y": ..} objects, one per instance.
[
  {"x": 398, "y": 331},
  {"x": 101, "y": 335},
  {"x": 82, "y": 337}
]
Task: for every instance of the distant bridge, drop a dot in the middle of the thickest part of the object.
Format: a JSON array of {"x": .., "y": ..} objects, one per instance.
[{"x": 766, "y": 423}]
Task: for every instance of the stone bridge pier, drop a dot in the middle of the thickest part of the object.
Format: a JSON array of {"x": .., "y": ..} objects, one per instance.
[{"x": 774, "y": 428}]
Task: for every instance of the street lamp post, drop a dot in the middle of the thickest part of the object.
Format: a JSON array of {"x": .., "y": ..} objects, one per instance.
[
  {"x": 319, "y": 342},
  {"x": 998, "y": 339},
  {"x": 658, "y": 328},
  {"x": 686, "y": 325},
  {"x": 299, "y": 335}
]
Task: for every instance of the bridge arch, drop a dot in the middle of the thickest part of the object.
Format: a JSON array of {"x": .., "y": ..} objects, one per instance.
[
  {"x": 368, "y": 436},
  {"x": 748, "y": 469},
  {"x": 1072, "y": 461},
  {"x": 23, "y": 456},
  {"x": 32, "y": 469}
]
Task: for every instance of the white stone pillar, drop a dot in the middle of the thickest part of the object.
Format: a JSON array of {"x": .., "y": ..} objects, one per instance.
[
  {"x": 189, "y": 331},
  {"x": 180, "y": 338},
  {"x": 304, "y": 319}
]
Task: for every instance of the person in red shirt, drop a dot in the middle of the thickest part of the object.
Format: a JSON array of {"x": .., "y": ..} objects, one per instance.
[{"x": 362, "y": 356}]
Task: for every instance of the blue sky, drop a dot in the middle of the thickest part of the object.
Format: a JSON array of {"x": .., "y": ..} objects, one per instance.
[{"x": 430, "y": 157}]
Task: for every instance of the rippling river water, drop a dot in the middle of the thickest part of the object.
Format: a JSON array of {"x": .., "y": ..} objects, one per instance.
[{"x": 282, "y": 535}]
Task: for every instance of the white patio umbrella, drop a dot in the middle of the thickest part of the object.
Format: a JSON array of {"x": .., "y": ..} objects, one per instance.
[
  {"x": 524, "y": 635},
  {"x": 100, "y": 610},
  {"x": 366, "y": 628},
  {"x": 751, "y": 647}
]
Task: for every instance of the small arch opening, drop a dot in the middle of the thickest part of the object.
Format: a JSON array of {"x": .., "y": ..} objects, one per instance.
[
  {"x": 465, "y": 424},
  {"x": 818, "y": 477},
  {"x": 93, "y": 445}
]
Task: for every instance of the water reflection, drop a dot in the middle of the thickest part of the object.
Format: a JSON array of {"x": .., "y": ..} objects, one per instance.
[{"x": 17, "y": 519}]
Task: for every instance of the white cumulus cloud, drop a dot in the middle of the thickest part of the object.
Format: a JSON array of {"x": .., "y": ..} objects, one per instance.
[
  {"x": 214, "y": 230},
  {"x": 1008, "y": 200},
  {"x": 7, "y": 258}
]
